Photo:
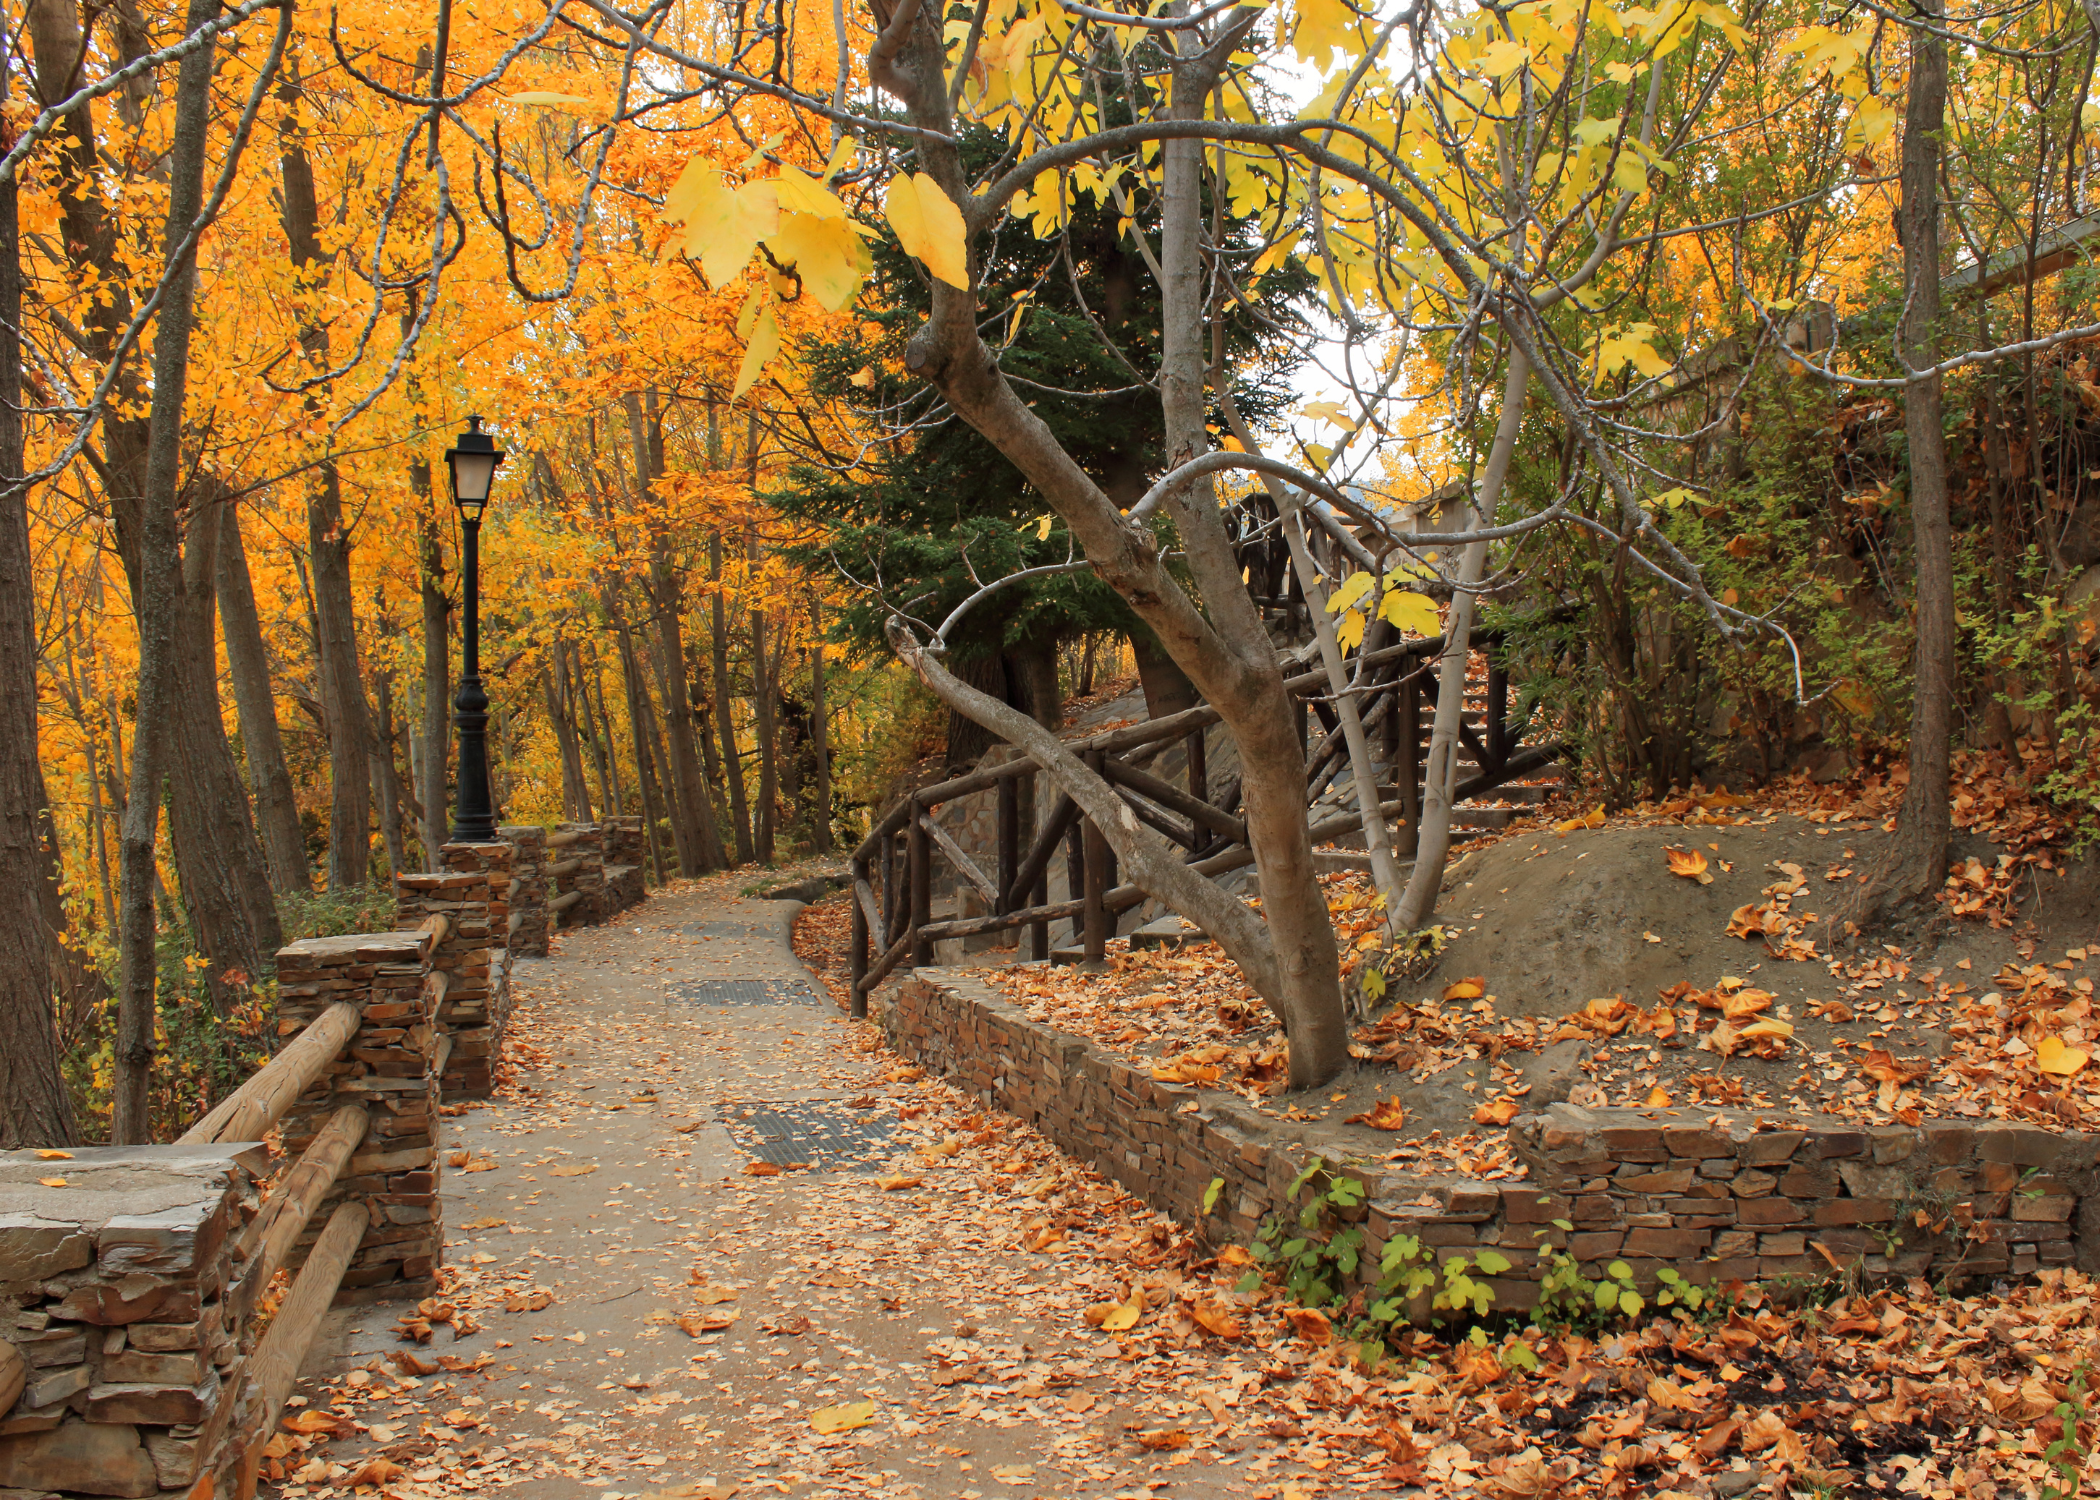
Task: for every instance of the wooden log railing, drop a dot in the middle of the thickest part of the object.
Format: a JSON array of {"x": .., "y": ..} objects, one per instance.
[
  {"x": 250, "y": 1110},
  {"x": 893, "y": 886}
]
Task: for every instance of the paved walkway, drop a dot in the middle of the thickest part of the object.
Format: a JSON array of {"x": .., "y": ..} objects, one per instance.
[{"x": 652, "y": 1316}]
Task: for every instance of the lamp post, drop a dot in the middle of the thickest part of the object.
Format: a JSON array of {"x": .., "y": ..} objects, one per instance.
[{"x": 473, "y": 463}]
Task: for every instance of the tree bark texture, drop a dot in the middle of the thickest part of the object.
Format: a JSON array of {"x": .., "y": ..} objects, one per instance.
[
  {"x": 431, "y": 784},
  {"x": 1914, "y": 864},
  {"x": 819, "y": 731},
  {"x": 248, "y": 664},
  {"x": 34, "y": 1108},
  {"x": 160, "y": 580},
  {"x": 732, "y": 759}
]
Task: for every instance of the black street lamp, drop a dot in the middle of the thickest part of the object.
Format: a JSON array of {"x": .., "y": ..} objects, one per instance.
[{"x": 473, "y": 463}]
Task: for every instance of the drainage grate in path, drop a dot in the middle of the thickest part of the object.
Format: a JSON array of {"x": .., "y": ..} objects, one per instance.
[
  {"x": 745, "y": 992},
  {"x": 826, "y": 1136}
]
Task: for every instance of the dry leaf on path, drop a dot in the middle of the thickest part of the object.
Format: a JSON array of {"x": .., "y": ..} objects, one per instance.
[
  {"x": 536, "y": 1300},
  {"x": 1466, "y": 989},
  {"x": 574, "y": 1171},
  {"x": 899, "y": 1184},
  {"x": 843, "y": 1418},
  {"x": 1310, "y": 1324},
  {"x": 54, "y": 1156},
  {"x": 1386, "y": 1114},
  {"x": 760, "y": 1169},
  {"x": 1166, "y": 1441},
  {"x": 699, "y": 1323},
  {"x": 1496, "y": 1112},
  {"x": 1117, "y": 1317},
  {"x": 1217, "y": 1318},
  {"x": 2054, "y": 1057},
  {"x": 1688, "y": 863},
  {"x": 490, "y": 1223},
  {"x": 707, "y": 1294}
]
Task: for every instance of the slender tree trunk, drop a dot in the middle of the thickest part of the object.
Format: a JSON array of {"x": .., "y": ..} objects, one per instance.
[
  {"x": 819, "y": 730},
  {"x": 437, "y": 673},
  {"x": 725, "y": 726},
  {"x": 160, "y": 569},
  {"x": 1440, "y": 768},
  {"x": 385, "y": 776},
  {"x": 605, "y": 765},
  {"x": 34, "y": 1107},
  {"x": 554, "y": 682},
  {"x": 248, "y": 663},
  {"x": 641, "y": 726},
  {"x": 328, "y": 543},
  {"x": 1913, "y": 866},
  {"x": 764, "y": 704}
]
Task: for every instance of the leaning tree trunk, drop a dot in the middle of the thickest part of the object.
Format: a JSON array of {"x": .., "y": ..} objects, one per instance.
[
  {"x": 34, "y": 1109},
  {"x": 1440, "y": 768},
  {"x": 160, "y": 580},
  {"x": 248, "y": 664},
  {"x": 437, "y": 674},
  {"x": 1913, "y": 865}
]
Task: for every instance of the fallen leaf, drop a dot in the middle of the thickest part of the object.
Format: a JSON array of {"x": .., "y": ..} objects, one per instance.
[
  {"x": 1165, "y": 1441},
  {"x": 1013, "y": 1473},
  {"x": 52, "y": 1181},
  {"x": 1386, "y": 1114},
  {"x": 1466, "y": 989},
  {"x": 1496, "y": 1112},
  {"x": 1310, "y": 1324},
  {"x": 898, "y": 1184},
  {"x": 1658, "y": 1098},
  {"x": 536, "y": 1300},
  {"x": 484, "y": 1223},
  {"x": 1883, "y": 1066},
  {"x": 415, "y": 1364},
  {"x": 1688, "y": 863},
  {"x": 786, "y": 1325},
  {"x": 2052, "y": 1056},
  {"x": 760, "y": 1169},
  {"x": 1117, "y": 1317},
  {"x": 1217, "y": 1318},
  {"x": 709, "y": 1295},
  {"x": 54, "y": 1156},
  {"x": 581, "y": 1171},
  {"x": 843, "y": 1418}
]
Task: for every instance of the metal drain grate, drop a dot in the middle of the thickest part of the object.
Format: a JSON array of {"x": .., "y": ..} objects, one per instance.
[
  {"x": 745, "y": 992},
  {"x": 821, "y": 1135}
]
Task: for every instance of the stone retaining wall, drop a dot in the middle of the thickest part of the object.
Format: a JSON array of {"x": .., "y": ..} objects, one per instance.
[
  {"x": 474, "y": 891},
  {"x": 626, "y": 863},
  {"x": 116, "y": 1285},
  {"x": 528, "y": 888},
  {"x": 1728, "y": 1197},
  {"x": 385, "y": 1069},
  {"x": 588, "y": 877}
]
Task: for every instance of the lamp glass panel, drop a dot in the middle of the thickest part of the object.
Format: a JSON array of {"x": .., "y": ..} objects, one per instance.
[{"x": 472, "y": 473}]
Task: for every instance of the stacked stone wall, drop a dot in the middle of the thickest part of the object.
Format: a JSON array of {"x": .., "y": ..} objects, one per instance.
[
  {"x": 385, "y": 1069},
  {"x": 118, "y": 1273},
  {"x": 527, "y": 927},
  {"x": 586, "y": 848},
  {"x": 1729, "y": 1197},
  {"x": 626, "y": 858},
  {"x": 473, "y": 890}
]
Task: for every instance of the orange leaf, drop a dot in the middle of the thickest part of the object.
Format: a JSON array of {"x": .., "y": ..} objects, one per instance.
[
  {"x": 1386, "y": 1114},
  {"x": 1688, "y": 863},
  {"x": 1466, "y": 989}
]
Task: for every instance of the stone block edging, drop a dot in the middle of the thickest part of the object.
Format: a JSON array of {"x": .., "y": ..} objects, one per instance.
[{"x": 1719, "y": 1197}]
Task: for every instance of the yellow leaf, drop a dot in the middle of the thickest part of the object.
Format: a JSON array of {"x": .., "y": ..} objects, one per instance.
[
  {"x": 54, "y": 1156},
  {"x": 826, "y": 253},
  {"x": 1501, "y": 58},
  {"x": 573, "y": 1171},
  {"x": 2051, "y": 1055},
  {"x": 864, "y": 377},
  {"x": 930, "y": 227},
  {"x": 897, "y": 1184},
  {"x": 1116, "y": 1317},
  {"x": 799, "y": 193},
  {"x": 1465, "y": 989},
  {"x": 52, "y": 1181},
  {"x": 1411, "y": 611},
  {"x": 765, "y": 343},
  {"x": 558, "y": 101},
  {"x": 723, "y": 227},
  {"x": 843, "y": 1418},
  {"x": 1658, "y": 1097},
  {"x": 1042, "y": 528},
  {"x": 1349, "y": 630},
  {"x": 1353, "y": 588}
]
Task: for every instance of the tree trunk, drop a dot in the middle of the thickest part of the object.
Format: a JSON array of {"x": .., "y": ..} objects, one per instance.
[
  {"x": 437, "y": 674},
  {"x": 641, "y": 726},
  {"x": 160, "y": 581},
  {"x": 554, "y": 681},
  {"x": 1168, "y": 690},
  {"x": 34, "y": 1107},
  {"x": 248, "y": 663},
  {"x": 385, "y": 776},
  {"x": 605, "y": 765},
  {"x": 1913, "y": 866},
  {"x": 328, "y": 543},
  {"x": 764, "y": 704},
  {"x": 725, "y": 726},
  {"x": 819, "y": 731},
  {"x": 1440, "y": 768}
]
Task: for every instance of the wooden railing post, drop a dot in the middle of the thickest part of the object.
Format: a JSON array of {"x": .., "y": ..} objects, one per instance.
[
  {"x": 1098, "y": 878},
  {"x": 858, "y": 950},
  {"x": 1039, "y": 932},
  {"x": 1199, "y": 784},
  {"x": 891, "y": 909},
  {"x": 1009, "y": 835},
  {"x": 1408, "y": 768},
  {"x": 1075, "y": 872},
  {"x": 918, "y": 852}
]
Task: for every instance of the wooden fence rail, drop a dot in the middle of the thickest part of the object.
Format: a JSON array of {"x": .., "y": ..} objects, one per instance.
[{"x": 893, "y": 888}]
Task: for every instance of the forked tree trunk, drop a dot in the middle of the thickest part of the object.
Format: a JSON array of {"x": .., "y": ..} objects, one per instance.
[
  {"x": 1913, "y": 865},
  {"x": 248, "y": 664},
  {"x": 1440, "y": 766},
  {"x": 34, "y": 1108}
]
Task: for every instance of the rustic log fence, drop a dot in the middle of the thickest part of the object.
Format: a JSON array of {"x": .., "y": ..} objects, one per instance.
[
  {"x": 893, "y": 869},
  {"x": 135, "y": 1271}
]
